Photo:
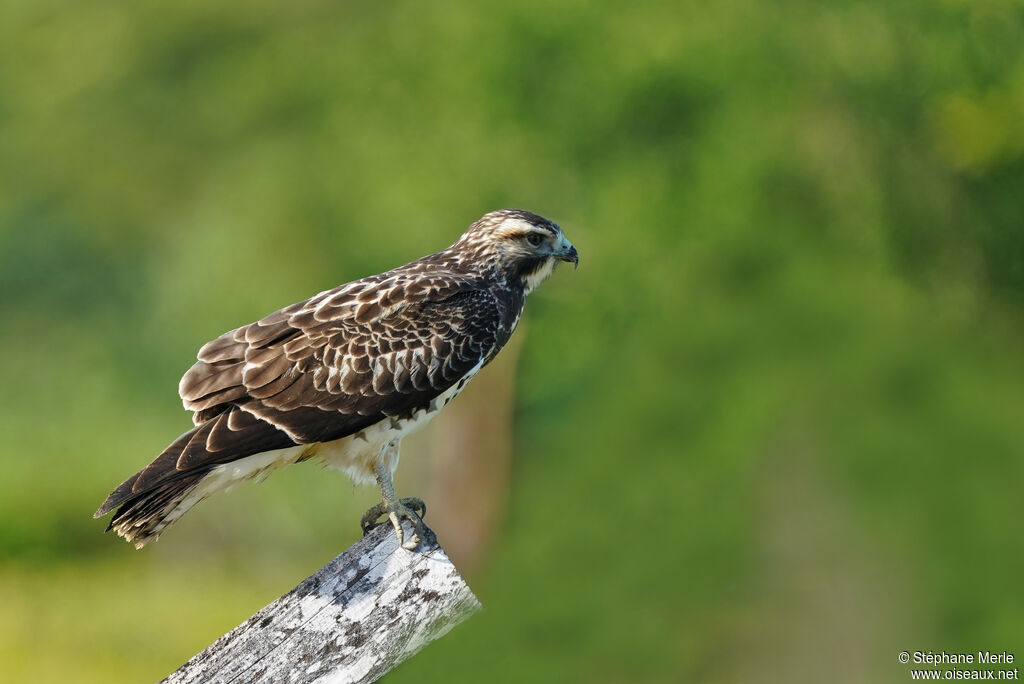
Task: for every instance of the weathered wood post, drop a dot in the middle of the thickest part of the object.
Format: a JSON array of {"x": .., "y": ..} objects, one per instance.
[{"x": 353, "y": 620}]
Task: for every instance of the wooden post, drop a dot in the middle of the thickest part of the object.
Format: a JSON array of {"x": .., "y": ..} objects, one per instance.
[{"x": 353, "y": 620}]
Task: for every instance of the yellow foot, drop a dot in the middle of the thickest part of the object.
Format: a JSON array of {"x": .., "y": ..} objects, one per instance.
[{"x": 412, "y": 509}]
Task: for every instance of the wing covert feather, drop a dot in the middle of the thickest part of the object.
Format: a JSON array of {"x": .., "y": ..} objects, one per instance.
[{"x": 375, "y": 347}]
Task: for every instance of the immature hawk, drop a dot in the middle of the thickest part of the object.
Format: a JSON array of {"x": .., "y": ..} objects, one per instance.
[{"x": 343, "y": 376}]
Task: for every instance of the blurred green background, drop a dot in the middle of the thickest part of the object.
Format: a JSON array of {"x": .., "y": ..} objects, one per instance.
[{"x": 771, "y": 430}]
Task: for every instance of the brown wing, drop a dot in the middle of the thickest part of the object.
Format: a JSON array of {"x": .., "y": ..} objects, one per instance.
[
  {"x": 324, "y": 369},
  {"x": 369, "y": 348}
]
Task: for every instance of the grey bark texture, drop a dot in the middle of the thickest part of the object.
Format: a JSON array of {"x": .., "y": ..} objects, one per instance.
[{"x": 356, "y": 618}]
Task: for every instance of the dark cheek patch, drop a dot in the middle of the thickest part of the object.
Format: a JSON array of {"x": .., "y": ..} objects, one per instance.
[{"x": 529, "y": 266}]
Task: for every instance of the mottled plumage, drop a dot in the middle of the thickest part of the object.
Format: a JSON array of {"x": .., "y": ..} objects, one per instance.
[{"x": 344, "y": 375}]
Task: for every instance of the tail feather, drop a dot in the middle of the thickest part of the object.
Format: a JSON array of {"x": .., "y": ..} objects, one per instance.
[
  {"x": 151, "y": 499},
  {"x": 156, "y": 496},
  {"x": 117, "y": 497},
  {"x": 144, "y": 516},
  {"x": 162, "y": 468}
]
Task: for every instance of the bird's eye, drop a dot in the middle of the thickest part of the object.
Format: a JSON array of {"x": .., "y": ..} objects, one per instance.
[{"x": 534, "y": 239}]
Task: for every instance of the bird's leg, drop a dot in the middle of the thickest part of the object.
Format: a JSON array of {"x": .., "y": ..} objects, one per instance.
[{"x": 412, "y": 509}]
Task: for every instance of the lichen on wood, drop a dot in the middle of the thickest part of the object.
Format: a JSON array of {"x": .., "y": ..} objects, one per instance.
[{"x": 356, "y": 618}]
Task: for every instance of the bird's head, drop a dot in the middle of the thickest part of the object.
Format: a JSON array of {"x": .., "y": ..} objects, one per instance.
[{"x": 520, "y": 245}]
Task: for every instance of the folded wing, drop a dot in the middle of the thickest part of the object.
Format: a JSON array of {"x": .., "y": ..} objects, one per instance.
[{"x": 323, "y": 369}]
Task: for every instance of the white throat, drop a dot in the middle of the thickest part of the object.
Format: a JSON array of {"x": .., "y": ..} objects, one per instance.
[{"x": 537, "y": 277}]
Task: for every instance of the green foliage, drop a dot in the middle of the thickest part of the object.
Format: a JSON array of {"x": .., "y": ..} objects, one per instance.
[{"x": 769, "y": 431}]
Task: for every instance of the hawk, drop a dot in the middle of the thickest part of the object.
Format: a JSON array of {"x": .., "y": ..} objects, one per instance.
[{"x": 343, "y": 376}]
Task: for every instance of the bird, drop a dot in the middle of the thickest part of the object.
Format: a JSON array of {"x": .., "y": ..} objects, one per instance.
[{"x": 343, "y": 376}]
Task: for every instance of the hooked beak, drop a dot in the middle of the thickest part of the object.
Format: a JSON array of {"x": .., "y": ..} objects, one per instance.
[{"x": 568, "y": 253}]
